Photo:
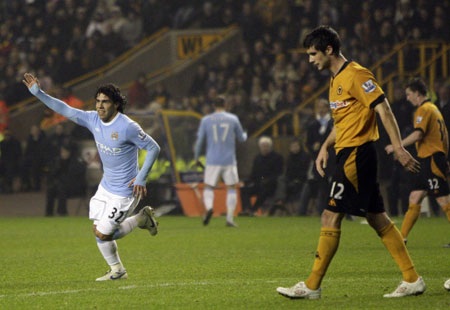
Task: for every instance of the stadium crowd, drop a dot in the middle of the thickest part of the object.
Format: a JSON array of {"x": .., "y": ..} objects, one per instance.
[{"x": 63, "y": 39}]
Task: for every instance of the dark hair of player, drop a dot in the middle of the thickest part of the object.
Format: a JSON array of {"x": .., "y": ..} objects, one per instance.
[
  {"x": 322, "y": 37},
  {"x": 417, "y": 84},
  {"x": 113, "y": 93},
  {"x": 219, "y": 102}
]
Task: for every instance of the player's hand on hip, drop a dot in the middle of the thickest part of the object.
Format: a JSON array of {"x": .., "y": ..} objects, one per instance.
[
  {"x": 139, "y": 191},
  {"x": 406, "y": 160},
  {"x": 29, "y": 80},
  {"x": 321, "y": 161}
]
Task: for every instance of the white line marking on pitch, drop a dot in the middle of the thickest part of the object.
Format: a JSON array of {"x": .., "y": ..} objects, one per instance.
[{"x": 130, "y": 287}]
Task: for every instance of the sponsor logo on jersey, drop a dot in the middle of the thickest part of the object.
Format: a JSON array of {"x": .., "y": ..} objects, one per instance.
[
  {"x": 108, "y": 150},
  {"x": 142, "y": 135},
  {"x": 339, "y": 90},
  {"x": 338, "y": 104},
  {"x": 97, "y": 129},
  {"x": 419, "y": 119},
  {"x": 368, "y": 86},
  {"x": 115, "y": 136}
]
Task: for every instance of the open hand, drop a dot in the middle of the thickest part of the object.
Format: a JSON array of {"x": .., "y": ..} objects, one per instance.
[
  {"x": 321, "y": 161},
  {"x": 139, "y": 191},
  {"x": 29, "y": 80},
  {"x": 406, "y": 160}
]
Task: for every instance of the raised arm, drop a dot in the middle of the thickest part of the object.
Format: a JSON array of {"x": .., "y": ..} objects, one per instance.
[
  {"x": 56, "y": 105},
  {"x": 390, "y": 124}
]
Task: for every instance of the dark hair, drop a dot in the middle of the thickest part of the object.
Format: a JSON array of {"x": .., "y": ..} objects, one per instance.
[
  {"x": 219, "y": 102},
  {"x": 322, "y": 37},
  {"x": 113, "y": 93},
  {"x": 417, "y": 84}
]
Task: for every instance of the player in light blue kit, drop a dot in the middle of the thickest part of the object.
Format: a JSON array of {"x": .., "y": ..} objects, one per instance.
[
  {"x": 118, "y": 139},
  {"x": 221, "y": 130}
]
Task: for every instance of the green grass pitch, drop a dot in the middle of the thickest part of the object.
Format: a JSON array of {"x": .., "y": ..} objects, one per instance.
[{"x": 51, "y": 263}]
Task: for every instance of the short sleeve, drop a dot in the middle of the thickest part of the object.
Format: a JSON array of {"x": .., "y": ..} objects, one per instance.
[
  {"x": 422, "y": 119},
  {"x": 366, "y": 89},
  {"x": 137, "y": 136}
]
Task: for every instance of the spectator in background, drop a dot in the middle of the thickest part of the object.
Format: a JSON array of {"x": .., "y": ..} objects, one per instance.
[
  {"x": 34, "y": 160},
  {"x": 160, "y": 94},
  {"x": 10, "y": 160},
  {"x": 70, "y": 66},
  {"x": 97, "y": 24},
  {"x": 297, "y": 165},
  {"x": 131, "y": 30},
  {"x": 443, "y": 102},
  {"x": 66, "y": 178},
  {"x": 267, "y": 167},
  {"x": 227, "y": 17},
  {"x": 4, "y": 115},
  {"x": 200, "y": 78},
  {"x": 138, "y": 95},
  {"x": 54, "y": 142},
  {"x": 92, "y": 56},
  {"x": 249, "y": 22},
  {"x": 316, "y": 133},
  {"x": 156, "y": 16},
  {"x": 208, "y": 18}
]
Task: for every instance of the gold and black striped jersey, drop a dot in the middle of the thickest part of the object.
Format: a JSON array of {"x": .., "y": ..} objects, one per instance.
[
  {"x": 429, "y": 120},
  {"x": 354, "y": 93}
]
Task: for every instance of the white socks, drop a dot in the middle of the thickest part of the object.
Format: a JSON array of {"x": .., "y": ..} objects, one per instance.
[
  {"x": 126, "y": 227},
  {"x": 110, "y": 253},
  {"x": 231, "y": 204},
  {"x": 208, "y": 198}
]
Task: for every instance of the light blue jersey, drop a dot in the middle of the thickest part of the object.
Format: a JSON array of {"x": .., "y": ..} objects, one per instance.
[
  {"x": 221, "y": 130},
  {"x": 118, "y": 142}
]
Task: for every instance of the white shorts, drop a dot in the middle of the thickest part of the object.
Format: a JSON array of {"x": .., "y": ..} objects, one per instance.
[
  {"x": 108, "y": 210},
  {"x": 228, "y": 173}
]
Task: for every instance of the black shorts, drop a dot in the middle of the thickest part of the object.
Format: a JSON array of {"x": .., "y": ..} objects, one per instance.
[
  {"x": 432, "y": 176},
  {"x": 354, "y": 188}
]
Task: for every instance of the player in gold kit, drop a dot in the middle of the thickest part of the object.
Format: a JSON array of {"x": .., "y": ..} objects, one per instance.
[
  {"x": 355, "y": 97},
  {"x": 431, "y": 138}
]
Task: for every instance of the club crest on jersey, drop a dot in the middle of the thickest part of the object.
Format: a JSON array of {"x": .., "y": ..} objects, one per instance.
[
  {"x": 339, "y": 90},
  {"x": 368, "y": 86},
  {"x": 142, "y": 135},
  {"x": 115, "y": 136},
  {"x": 419, "y": 119}
]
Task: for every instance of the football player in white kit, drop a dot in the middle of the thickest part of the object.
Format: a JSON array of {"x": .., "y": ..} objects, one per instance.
[
  {"x": 118, "y": 140},
  {"x": 220, "y": 129}
]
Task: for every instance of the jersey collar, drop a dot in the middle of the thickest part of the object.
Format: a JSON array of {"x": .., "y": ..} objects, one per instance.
[
  {"x": 342, "y": 68},
  {"x": 426, "y": 100},
  {"x": 112, "y": 121}
]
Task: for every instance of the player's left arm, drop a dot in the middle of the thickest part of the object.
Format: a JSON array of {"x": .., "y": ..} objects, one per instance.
[
  {"x": 415, "y": 136},
  {"x": 390, "y": 124},
  {"x": 199, "y": 141},
  {"x": 240, "y": 133},
  {"x": 143, "y": 141}
]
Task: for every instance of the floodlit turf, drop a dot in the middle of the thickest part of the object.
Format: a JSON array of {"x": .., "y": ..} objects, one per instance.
[{"x": 51, "y": 263}]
